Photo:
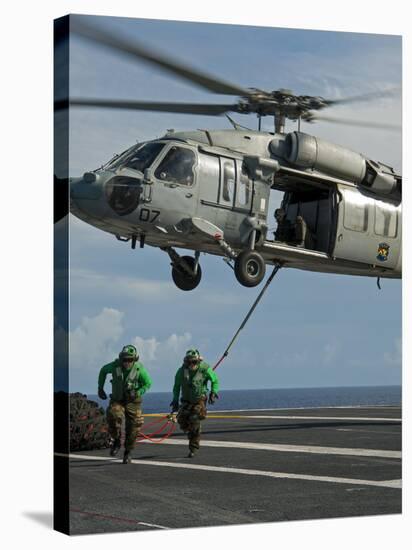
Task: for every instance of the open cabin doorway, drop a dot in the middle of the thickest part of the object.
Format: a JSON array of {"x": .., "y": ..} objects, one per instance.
[{"x": 308, "y": 218}]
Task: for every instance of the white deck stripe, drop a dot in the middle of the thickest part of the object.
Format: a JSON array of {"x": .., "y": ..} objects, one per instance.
[
  {"x": 291, "y": 448},
  {"x": 293, "y": 417},
  {"x": 105, "y": 517},
  {"x": 351, "y": 407},
  {"x": 153, "y": 525},
  {"x": 392, "y": 484}
]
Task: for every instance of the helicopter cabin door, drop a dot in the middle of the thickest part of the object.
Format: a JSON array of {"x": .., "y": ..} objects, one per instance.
[
  {"x": 316, "y": 207},
  {"x": 225, "y": 193},
  {"x": 175, "y": 183},
  {"x": 208, "y": 178},
  {"x": 368, "y": 230}
]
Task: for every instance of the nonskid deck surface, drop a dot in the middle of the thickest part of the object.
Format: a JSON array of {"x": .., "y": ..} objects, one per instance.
[{"x": 253, "y": 466}]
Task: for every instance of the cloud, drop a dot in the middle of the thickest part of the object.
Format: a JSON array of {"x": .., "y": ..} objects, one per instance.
[
  {"x": 96, "y": 339},
  {"x": 158, "y": 353},
  {"x": 394, "y": 358},
  {"x": 329, "y": 352},
  {"x": 146, "y": 347}
]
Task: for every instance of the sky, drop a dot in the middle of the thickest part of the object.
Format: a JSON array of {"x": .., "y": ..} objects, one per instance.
[{"x": 310, "y": 329}]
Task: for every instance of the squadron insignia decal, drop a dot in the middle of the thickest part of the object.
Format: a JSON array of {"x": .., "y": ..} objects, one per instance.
[{"x": 383, "y": 252}]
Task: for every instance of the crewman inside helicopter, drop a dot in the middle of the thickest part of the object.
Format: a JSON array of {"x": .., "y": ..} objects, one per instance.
[
  {"x": 303, "y": 234},
  {"x": 294, "y": 234},
  {"x": 177, "y": 166},
  {"x": 285, "y": 230}
]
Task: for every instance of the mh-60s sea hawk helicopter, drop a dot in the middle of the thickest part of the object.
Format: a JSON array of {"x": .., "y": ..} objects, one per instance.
[{"x": 208, "y": 191}]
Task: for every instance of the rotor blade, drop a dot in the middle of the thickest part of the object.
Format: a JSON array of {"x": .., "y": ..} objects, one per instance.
[
  {"x": 189, "y": 108},
  {"x": 364, "y": 97},
  {"x": 362, "y": 124},
  {"x": 134, "y": 49}
]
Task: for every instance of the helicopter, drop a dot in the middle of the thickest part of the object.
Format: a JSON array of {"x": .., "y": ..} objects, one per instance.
[{"x": 208, "y": 191}]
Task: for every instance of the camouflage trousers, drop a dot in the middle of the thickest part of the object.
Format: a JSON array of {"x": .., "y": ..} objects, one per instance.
[
  {"x": 189, "y": 417},
  {"x": 132, "y": 412}
]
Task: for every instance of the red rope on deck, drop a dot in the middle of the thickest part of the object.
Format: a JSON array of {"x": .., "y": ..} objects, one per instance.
[{"x": 149, "y": 437}]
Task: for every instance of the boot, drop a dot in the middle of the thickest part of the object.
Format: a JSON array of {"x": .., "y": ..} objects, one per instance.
[
  {"x": 126, "y": 457},
  {"x": 115, "y": 447}
]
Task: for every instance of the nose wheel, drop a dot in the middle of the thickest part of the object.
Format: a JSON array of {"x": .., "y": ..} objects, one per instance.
[
  {"x": 187, "y": 279},
  {"x": 249, "y": 268},
  {"x": 186, "y": 271}
]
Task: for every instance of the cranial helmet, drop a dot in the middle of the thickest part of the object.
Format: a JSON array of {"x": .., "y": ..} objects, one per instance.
[
  {"x": 129, "y": 352},
  {"x": 192, "y": 355}
]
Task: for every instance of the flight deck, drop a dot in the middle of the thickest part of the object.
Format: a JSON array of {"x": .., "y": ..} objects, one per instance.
[{"x": 253, "y": 466}]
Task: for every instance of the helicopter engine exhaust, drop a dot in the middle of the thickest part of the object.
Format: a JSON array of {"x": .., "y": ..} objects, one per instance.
[{"x": 306, "y": 151}]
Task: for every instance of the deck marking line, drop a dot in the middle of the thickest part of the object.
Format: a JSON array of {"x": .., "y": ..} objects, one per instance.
[
  {"x": 395, "y": 483},
  {"x": 315, "y": 408},
  {"x": 287, "y": 417},
  {"x": 279, "y": 475},
  {"x": 114, "y": 518},
  {"x": 351, "y": 407},
  {"x": 295, "y": 417},
  {"x": 291, "y": 448}
]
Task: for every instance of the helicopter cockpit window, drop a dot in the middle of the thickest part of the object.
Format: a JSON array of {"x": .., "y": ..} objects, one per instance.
[
  {"x": 118, "y": 157},
  {"x": 228, "y": 188},
  {"x": 177, "y": 166},
  {"x": 143, "y": 157}
]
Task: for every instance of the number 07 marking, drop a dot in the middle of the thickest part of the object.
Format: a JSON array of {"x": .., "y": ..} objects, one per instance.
[{"x": 147, "y": 215}]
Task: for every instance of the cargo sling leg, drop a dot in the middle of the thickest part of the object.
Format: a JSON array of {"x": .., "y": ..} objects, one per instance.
[{"x": 251, "y": 310}]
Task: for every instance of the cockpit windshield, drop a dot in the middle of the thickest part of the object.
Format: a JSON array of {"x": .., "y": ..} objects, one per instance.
[
  {"x": 138, "y": 157},
  {"x": 119, "y": 158}
]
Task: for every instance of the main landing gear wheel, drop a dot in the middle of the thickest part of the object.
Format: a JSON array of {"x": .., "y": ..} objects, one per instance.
[
  {"x": 249, "y": 268},
  {"x": 181, "y": 277}
]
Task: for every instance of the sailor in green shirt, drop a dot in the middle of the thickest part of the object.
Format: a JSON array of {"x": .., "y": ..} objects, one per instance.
[
  {"x": 130, "y": 381},
  {"x": 191, "y": 382}
]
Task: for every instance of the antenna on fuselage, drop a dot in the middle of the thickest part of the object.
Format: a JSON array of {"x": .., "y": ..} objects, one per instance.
[{"x": 235, "y": 125}]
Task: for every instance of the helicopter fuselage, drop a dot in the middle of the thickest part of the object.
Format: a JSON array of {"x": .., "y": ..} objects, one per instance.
[{"x": 209, "y": 191}]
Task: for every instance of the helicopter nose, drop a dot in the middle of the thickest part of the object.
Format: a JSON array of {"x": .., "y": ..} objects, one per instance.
[
  {"x": 86, "y": 188},
  {"x": 85, "y": 193}
]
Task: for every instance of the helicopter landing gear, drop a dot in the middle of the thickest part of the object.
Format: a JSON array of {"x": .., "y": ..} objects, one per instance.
[
  {"x": 250, "y": 268},
  {"x": 186, "y": 271},
  {"x": 184, "y": 279}
]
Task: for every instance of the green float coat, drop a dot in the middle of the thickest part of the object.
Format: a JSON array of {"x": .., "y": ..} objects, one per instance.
[
  {"x": 136, "y": 378},
  {"x": 193, "y": 383}
]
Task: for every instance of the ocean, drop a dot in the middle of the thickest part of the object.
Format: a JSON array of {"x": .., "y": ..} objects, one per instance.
[{"x": 284, "y": 398}]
